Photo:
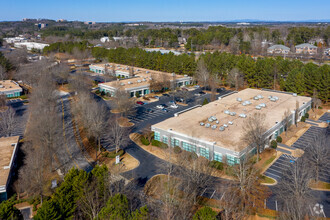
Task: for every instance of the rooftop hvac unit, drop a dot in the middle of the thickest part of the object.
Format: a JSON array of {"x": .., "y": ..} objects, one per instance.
[
  {"x": 222, "y": 128},
  {"x": 262, "y": 105},
  {"x": 270, "y": 96},
  {"x": 201, "y": 124},
  {"x": 150, "y": 78},
  {"x": 230, "y": 122},
  {"x": 130, "y": 83},
  {"x": 143, "y": 79},
  {"x": 260, "y": 96},
  {"x": 294, "y": 94},
  {"x": 110, "y": 65},
  {"x": 173, "y": 74},
  {"x": 147, "y": 71},
  {"x": 127, "y": 68},
  {"x": 272, "y": 99},
  {"x": 214, "y": 127},
  {"x": 276, "y": 98},
  {"x": 256, "y": 98},
  {"x": 239, "y": 99},
  {"x": 185, "y": 75},
  {"x": 232, "y": 113},
  {"x": 258, "y": 107},
  {"x": 242, "y": 115},
  {"x": 225, "y": 125},
  {"x": 122, "y": 84},
  {"x": 139, "y": 81},
  {"x": 210, "y": 119},
  {"x": 138, "y": 70},
  {"x": 217, "y": 122},
  {"x": 244, "y": 103},
  {"x": 248, "y": 103},
  {"x": 207, "y": 125},
  {"x": 118, "y": 65},
  {"x": 227, "y": 112},
  {"x": 1, "y": 86}
]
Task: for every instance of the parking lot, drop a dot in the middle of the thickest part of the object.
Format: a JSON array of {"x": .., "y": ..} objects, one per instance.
[
  {"x": 276, "y": 170},
  {"x": 325, "y": 117}
]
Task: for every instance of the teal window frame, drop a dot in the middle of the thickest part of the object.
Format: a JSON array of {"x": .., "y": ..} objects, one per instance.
[
  {"x": 165, "y": 139},
  {"x": 188, "y": 147},
  {"x": 157, "y": 136},
  {"x": 217, "y": 156},
  {"x": 204, "y": 152}
]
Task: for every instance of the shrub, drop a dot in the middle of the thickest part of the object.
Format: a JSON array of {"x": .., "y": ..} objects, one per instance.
[
  {"x": 279, "y": 139},
  {"x": 145, "y": 141},
  {"x": 303, "y": 119},
  {"x": 113, "y": 154},
  {"x": 205, "y": 101},
  {"x": 306, "y": 115},
  {"x": 273, "y": 144},
  {"x": 97, "y": 92},
  {"x": 216, "y": 164},
  {"x": 155, "y": 143},
  {"x": 102, "y": 93},
  {"x": 193, "y": 156},
  {"x": 137, "y": 95},
  {"x": 177, "y": 149},
  {"x": 320, "y": 107}
]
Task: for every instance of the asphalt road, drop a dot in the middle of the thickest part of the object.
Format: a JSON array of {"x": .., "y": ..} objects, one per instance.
[{"x": 21, "y": 115}]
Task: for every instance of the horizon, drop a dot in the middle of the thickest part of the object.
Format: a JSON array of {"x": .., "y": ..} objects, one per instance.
[{"x": 167, "y": 11}]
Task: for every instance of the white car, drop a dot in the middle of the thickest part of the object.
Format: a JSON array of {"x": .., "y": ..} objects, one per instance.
[
  {"x": 159, "y": 106},
  {"x": 174, "y": 106}
]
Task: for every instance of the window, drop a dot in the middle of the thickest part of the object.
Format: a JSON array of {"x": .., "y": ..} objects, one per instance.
[
  {"x": 231, "y": 160},
  {"x": 188, "y": 147},
  {"x": 157, "y": 136},
  {"x": 175, "y": 142},
  {"x": 204, "y": 152},
  {"x": 218, "y": 157},
  {"x": 165, "y": 140}
]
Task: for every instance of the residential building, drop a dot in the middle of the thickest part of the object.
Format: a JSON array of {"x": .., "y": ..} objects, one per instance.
[
  {"x": 104, "y": 39},
  {"x": 31, "y": 45},
  {"x": 139, "y": 82},
  {"x": 8, "y": 151},
  {"x": 306, "y": 49},
  {"x": 215, "y": 131},
  {"x": 278, "y": 49},
  {"x": 10, "y": 88}
]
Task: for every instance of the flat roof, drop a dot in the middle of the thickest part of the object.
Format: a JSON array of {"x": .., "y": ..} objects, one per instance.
[
  {"x": 188, "y": 123},
  {"x": 6, "y": 154},
  {"x": 8, "y": 85},
  {"x": 141, "y": 78}
]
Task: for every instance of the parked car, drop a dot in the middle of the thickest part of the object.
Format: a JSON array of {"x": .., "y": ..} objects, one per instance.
[
  {"x": 179, "y": 99},
  {"x": 197, "y": 87},
  {"x": 140, "y": 103},
  {"x": 149, "y": 110},
  {"x": 202, "y": 93},
  {"x": 197, "y": 94},
  {"x": 174, "y": 106},
  {"x": 164, "y": 105},
  {"x": 171, "y": 102},
  {"x": 156, "y": 97},
  {"x": 167, "y": 95},
  {"x": 160, "y": 106},
  {"x": 164, "y": 110}
]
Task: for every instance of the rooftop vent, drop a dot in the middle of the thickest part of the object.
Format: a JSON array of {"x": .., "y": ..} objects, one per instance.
[
  {"x": 207, "y": 125},
  {"x": 294, "y": 94},
  {"x": 130, "y": 83},
  {"x": 262, "y": 105},
  {"x": 122, "y": 84},
  {"x": 258, "y": 107},
  {"x": 225, "y": 125},
  {"x": 201, "y": 124},
  {"x": 242, "y": 115},
  {"x": 276, "y": 98},
  {"x": 230, "y": 122},
  {"x": 143, "y": 79},
  {"x": 214, "y": 127},
  {"x": 147, "y": 72},
  {"x": 239, "y": 99},
  {"x": 217, "y": 122},
  {"x": 139, "y": 81},
  {"x": 222, "y": 128},
  {"x": 270, "y": 97},
  {"x": 260, "y": 96},
  {"x": 232, "y": 113},
  {"x": 256, "y": 98},
  {"x": 227, "y": 112},
  {"x": 127, "y": 68}
]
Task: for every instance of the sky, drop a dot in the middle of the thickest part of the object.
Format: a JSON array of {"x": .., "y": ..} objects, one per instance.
[{"x": 165, "y": 10}]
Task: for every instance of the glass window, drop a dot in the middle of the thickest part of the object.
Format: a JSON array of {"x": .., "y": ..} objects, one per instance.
[
  {"x": 218, "y": 157},
  {"x": 165, "y": 139},
  {"x": 157, "y": 136},
  {"x": 204, "y": 152},
  {"x": 231, "y": 160},
  {"x": 188, "y": 147},
  {"x": 175, "y": 142}
]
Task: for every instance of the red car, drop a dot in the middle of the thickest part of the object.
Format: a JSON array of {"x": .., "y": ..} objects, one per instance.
[{"x": 140, "y": 103}]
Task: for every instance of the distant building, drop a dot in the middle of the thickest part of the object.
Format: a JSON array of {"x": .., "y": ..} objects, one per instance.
[
  {"x": 31, "y": 45},
  {"x": 306, "y": 49},
  {"x": 41, "y": 25},
  {"x": 11, "y": 40},
  {"x": 162, "y": 51},
  {"x": 8, "y": 151},
  {"x": 10, "y": 88},
  {"x": 278, "y": 49},
  {"x": 104, "y": 39},
  {"x": 89, "y": 22},
  {"x": 139, "y": 82},
  {"x": 243, "y": 23},
  {"x": 61, "y": 20}
]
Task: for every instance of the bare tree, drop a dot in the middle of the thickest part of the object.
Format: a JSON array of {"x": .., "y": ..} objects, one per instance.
[
  {"x": 318, "y": 153},
  {"x": 235, "y": 78},
  {"x": 17, "y": 57},
  {"x": 3, "y": 74},
  {"x": 254, "y": 130},
  {"x": 61, "y": 73},
  {"x": 296, "y": 114},
  {"x": 80, "y": 83},
  {"x": 293, "y": 192},
  {"x": 202, "y": 75},
  {"x": 3, "y": 100},
  {"x": 287, "y": 119},
  {"x": 8, "y": 122},
  {"x": 117, "y": 135},
  {"x": 124, "y": 103},
  {"x": 316, "y": 102}
]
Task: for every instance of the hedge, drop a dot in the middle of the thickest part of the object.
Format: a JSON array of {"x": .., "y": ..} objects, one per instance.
[
  {"x": 273, "y": 144},
  {"x": 158, "y": 144},
  {"x": 177, "y": 149},
  {"x": 303, "y": 119},
  {"x": 306, "y": 115},
  {"x": 145, "y": 141},
  {"x": 113, "y": 154},
  {"x": 279, "y": 139},
  {"x": 216, "y": 164}
]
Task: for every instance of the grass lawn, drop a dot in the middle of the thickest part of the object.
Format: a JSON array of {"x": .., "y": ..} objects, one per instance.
[{"x": 266, "y": 179}]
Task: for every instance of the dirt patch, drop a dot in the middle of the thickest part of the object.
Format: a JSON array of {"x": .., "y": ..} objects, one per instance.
[
  {"x": 267, "y": 157},
  {"x": 319, "y": 185},
  {"x": 297, "y": 153},
  {"x": 127, "y": 162},
  {"x": 64, "y": 88},
  {"x": 115, "y": 111},
  {"x": 124, "y": 122}
]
